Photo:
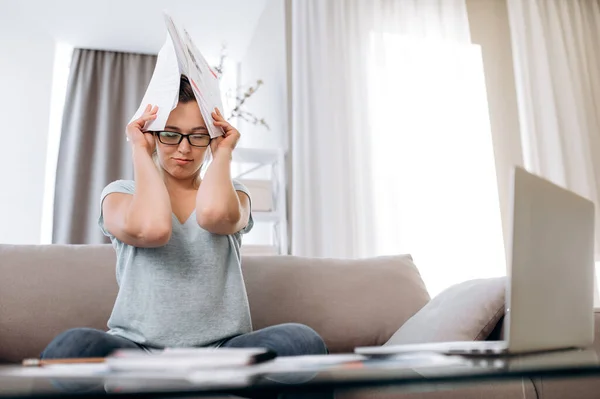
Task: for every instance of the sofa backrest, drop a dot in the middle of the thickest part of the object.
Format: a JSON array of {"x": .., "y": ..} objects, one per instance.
[{"x": 46, "y": 289}]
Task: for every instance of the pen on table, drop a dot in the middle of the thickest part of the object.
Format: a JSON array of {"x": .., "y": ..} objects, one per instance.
[{"x": 48, "y": 362}]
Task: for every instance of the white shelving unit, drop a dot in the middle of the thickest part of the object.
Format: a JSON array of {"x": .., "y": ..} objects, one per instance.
[{"x": 263, "y": 171}]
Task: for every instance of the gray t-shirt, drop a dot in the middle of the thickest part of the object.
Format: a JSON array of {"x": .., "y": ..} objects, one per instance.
[{"x": 187, "y": 293}]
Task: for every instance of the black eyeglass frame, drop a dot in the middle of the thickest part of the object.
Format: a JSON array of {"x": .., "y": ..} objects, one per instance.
[{"x": 181, "y": 136}]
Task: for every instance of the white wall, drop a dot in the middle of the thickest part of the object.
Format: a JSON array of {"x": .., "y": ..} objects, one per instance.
[
  {"x": 26, "y": 62},
  {"x": 266, "y": 59},
  {"x": 489, "y": 25}
]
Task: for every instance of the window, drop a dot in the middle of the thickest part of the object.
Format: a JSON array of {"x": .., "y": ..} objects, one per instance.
[
  {"x": 435, "y": 188},
  {"x": 62, "y": 65}
]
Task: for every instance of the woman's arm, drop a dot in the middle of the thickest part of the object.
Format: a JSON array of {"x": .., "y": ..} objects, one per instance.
[
  {"x": 221, "y": 209},
  {"x": 144, "y": 218}
]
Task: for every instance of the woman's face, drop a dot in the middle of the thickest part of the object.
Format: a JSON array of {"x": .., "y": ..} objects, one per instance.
[{"x": 183, "y": 160}]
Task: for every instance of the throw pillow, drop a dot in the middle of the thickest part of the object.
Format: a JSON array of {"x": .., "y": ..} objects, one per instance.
[{"x": 467, "y": 311}]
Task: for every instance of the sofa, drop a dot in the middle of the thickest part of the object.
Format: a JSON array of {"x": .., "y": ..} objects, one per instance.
[{"x": 46, "y": 289}]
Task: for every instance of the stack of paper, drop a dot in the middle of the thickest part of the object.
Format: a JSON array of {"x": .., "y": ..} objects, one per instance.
[
  {"x": 186, "y": 359},
  {"x": 180, "y": 56}
]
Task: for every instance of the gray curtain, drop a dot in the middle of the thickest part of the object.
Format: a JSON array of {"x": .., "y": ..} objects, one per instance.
[{"x": 104, "y": 90}]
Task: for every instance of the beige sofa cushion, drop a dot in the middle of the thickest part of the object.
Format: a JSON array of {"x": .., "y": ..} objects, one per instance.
[
  {"x": 349, "y": 302},
  {"x": 468, "y": 311},
  {"x": 46, "y": 289}
]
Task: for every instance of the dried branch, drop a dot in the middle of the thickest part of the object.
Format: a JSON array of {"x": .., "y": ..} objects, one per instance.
[
  {"x": 240, "y": 100},
  {"x": 251, "y": 118},
  {"x": 219, "y": 68}
]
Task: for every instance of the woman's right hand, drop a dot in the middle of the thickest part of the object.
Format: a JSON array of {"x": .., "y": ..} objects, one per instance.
[{"x": 136, "y": 136}]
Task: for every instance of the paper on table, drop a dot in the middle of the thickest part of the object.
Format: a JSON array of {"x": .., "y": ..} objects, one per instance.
[
  {"x": 293, "y": 369},
  {"x": 175, "y": 359},
  {"x": 296, "y": 362},
  {"x": 179, "y": 55},
  {"x": 58, "y": 370}
]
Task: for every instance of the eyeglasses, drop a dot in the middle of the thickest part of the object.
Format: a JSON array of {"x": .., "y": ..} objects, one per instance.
[{"x": 174, "y": 138}]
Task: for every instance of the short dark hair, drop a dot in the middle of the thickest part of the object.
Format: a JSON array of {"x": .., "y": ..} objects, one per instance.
[{"x": 186, "y": 94}]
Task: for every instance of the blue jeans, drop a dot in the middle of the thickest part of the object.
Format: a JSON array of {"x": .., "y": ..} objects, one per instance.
[{"x": 285, "y": 340}]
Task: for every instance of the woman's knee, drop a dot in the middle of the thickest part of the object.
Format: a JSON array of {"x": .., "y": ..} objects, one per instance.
[
  {"x": 306, "y": 340},
  {"x": 81, "y": 342}
]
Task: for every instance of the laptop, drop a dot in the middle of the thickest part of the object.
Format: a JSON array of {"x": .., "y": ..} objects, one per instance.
[{"x": 550, "y": 289}]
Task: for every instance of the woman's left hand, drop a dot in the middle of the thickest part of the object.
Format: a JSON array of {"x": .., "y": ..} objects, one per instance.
[{"x": 229, "y": 139}]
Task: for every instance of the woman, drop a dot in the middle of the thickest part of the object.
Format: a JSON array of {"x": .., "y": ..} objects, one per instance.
[{"x": 177, "y": 238}]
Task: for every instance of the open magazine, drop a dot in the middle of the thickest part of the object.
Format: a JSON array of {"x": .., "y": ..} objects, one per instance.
[{"x": 179, "y": 55}]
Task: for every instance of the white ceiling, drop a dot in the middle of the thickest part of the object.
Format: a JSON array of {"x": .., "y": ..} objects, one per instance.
[{"x": 137, "y": 25}]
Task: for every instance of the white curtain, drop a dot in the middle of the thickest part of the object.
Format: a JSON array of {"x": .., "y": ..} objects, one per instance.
[
  {"x": 331, "y": 208},
  {"x": 556, "y": 49},
  {"x": 391, "y": 145},
  {"x": 434, "y": 174}
]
